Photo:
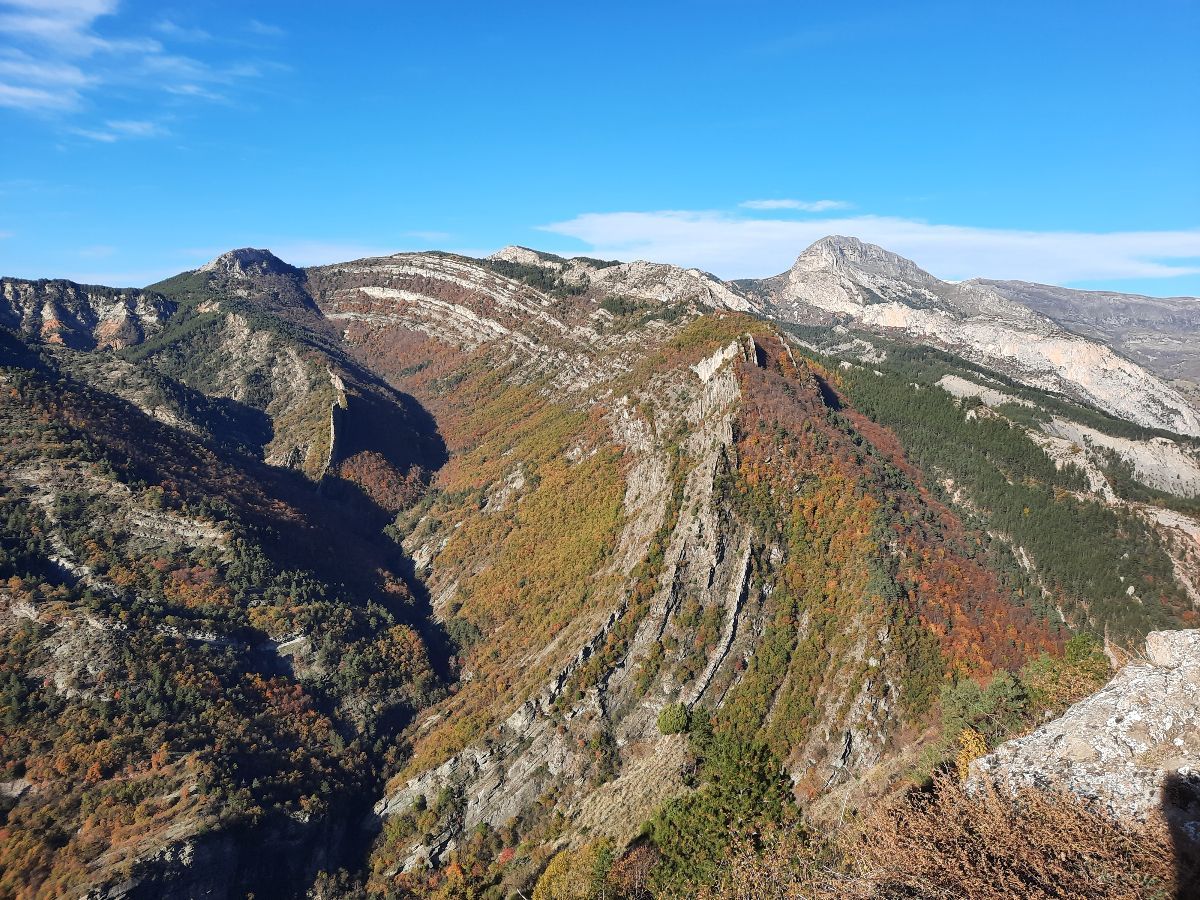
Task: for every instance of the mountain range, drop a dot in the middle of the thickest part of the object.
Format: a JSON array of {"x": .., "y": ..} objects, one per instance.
[{"x": 430, "y": 569}]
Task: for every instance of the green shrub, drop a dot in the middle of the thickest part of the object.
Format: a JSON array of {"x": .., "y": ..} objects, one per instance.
[{"x": 673, "y": 719}]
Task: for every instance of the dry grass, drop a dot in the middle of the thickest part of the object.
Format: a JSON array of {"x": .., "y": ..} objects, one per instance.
[{"x": 983, "y": 845}]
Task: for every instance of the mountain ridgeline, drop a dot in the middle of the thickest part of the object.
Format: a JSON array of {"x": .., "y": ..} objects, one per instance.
[{"x": 425, "y": 575}]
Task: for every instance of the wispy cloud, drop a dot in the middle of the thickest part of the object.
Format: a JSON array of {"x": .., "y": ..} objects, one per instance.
[
  {"x": 173, "y": 29},
  {"x": 22, "y": 67},
  {"x": 429, "y": 235},
  {"x": 740, "y": 247},
  {"x": 254, "y": 26},
  {"x": 67, "y": 26},
  {"x": 35, "y": 98},
  {"x": 60, "y": 62},
  {"x": 120, "y": 129},
  {"x": 196, "y": 90},
  {"x": 814, "y": 206}
]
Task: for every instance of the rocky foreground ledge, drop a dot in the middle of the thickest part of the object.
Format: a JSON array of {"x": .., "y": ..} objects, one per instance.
[{"x": 1134, "y": 746}]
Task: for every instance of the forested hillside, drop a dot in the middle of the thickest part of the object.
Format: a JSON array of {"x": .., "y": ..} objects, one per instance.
[
  {"x": 430, "y": 576},
  {"x": 194, "y": 643}
]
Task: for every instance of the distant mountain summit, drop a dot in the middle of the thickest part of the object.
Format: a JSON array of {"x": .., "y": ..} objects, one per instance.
[
  {"x": 839, "y": 253},
  {"x": 248, "y": 262},
  {"x": 847, "y": 280}
]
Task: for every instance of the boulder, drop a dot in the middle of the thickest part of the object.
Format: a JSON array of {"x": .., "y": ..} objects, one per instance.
[{"x": 1134, "y": 746}]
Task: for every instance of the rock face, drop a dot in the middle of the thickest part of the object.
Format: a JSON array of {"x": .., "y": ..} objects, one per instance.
[
  {"x": 664, "y": 283},
  {"x": 649, "y": 281},
  {"x": 85, "y": 317},
  {"x": 1133, "y": 746},
  {"x": 280, "y": 859},
  {"x": 843, "y": 278},
  {"x": 1160, "y": 333}
]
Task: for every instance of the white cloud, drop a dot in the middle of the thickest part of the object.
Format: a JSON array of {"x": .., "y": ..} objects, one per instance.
[
  {"x": 173, "y": 29},
  {"x": 34, "y": 98},
  {"x": 66, "y": 26},
  {"x": 57, "y": 61},
  {"x": 119, "y": 129},
  {"x": 742, "y": 247},
  {"x": 803, "y": 205},
  {"x": 265, "y": 29},
  {"x": 135, "y": 128},
  {"x": 22, "y": 67},
  {"x": 195, "y": 90},
  {"x": 430, "y": 236}
]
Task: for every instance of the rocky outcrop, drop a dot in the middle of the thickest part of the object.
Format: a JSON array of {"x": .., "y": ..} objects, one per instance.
[
  {"x": 641, "y": 280},
  {"x": 85, "y": 317},
  {"x": 1158, "y": 462},
  {"x": 663, "y": 283},
  {"x": 1133, "y": 747}
]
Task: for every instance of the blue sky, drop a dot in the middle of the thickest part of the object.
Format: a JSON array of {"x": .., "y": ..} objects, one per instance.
[{"x": 1057, "y": 142}]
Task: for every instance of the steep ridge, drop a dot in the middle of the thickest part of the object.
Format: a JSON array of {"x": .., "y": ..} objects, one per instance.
[
  {"x": 249, "y": 331},
  {"x": 673, "y": 588},
  {"x": 842, "y": 277}
]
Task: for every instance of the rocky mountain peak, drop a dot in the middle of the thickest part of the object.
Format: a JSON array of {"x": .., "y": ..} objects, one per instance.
[
  {"x": 841, "y": 253},
  {"x": 526, "y": 257},
  {"x": 248, "y": 261}
]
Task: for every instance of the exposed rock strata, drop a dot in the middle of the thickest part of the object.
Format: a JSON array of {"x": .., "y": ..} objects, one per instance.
[{"x": 81, "y": 316}]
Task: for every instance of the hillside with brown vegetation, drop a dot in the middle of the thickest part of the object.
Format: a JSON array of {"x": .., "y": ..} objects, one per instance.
[{"x": 563, "y": 578}]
